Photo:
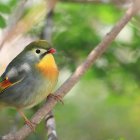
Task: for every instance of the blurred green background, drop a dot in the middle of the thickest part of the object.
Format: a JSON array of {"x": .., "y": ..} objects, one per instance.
[{"x": 105, "y": 104}]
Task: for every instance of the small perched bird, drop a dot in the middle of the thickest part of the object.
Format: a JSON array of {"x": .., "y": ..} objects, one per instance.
[{"x": 29, "y": 78}]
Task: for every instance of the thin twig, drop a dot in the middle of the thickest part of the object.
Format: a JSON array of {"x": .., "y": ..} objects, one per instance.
[
  {"x": 86, "y": 1},
  {"x": 116, "y": 2},
  {"x": 50, "y": 126},
  {"x": 68, "y": 84}
]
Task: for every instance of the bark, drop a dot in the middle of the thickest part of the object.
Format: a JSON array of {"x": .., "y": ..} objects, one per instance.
[{"x": 50, "y": 126}]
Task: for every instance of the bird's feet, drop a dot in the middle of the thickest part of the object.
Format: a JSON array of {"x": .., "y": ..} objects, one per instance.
[
  {"x": 27, "y": 121},
  {"x": 58, "y": 98},
  {"x": 30, "y": 124}
]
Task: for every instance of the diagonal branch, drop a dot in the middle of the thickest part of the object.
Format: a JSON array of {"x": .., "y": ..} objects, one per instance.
[
  {"x": 13, "y": 20},
  {"x": 16, "y": 15},
  {"x": 115, "y": 2},
  {"x": 67, "y": 86}
]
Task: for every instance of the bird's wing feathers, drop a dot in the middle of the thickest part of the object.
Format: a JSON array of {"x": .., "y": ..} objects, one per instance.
[
  {"x": 10, "y": 78},
  {"x": 4, "y": 83},
  {"x": 8, "y": 81}
]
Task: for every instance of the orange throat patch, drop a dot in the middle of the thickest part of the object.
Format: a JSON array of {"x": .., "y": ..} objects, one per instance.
[{"x": 48, "y": 67}]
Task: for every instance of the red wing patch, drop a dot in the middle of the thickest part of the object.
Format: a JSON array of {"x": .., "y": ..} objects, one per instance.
[{"x": 4, "y": 84}]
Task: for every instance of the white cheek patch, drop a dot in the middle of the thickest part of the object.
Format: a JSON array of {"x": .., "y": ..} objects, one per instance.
[
  {"x": 25, "y": 67},
  {"x": 13, "y": 71}
]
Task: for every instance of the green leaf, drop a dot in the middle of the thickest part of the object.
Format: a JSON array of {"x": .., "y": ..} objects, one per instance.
[
  {"x": 4, "y": 8},
  {"x": 2, "y": 22}
]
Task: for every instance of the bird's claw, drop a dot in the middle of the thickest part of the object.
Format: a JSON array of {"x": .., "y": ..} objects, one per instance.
[
  {"x": 58, "y": 98},
  {"x": 30, "y": 124}
]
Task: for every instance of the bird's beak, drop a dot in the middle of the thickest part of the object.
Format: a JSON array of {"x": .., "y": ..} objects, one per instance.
[{"x": 51, "y": 50}]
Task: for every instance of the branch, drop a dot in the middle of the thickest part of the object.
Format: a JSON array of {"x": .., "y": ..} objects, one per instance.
[
  {"x": 116, "y": 2},
  {"x": 13, "y": 20},
  {"x": 16, "y": 15},
  {"x": 36, "y": 13},
  {"x": 85, "y": 1},
  {"x": 50, "y": 5},
  {"x": 47, "y": 31},
  {"x": 68, "y": 84},
  {"x": 50, "y": 126}
]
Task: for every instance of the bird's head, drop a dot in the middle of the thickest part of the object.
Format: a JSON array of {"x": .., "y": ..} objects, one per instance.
[
  {"x": 38, "y": 50},
  {"x": 40, "y": 53}
]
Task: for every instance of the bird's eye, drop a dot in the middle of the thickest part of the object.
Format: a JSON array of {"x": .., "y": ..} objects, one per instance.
[{"x": 38, "y": 51}]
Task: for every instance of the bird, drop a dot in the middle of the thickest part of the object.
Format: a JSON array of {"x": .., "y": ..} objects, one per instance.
[{"x": 29, "y": 78}]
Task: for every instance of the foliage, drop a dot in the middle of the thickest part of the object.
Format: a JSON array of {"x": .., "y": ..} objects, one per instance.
[{"x": 5, "y": 9}]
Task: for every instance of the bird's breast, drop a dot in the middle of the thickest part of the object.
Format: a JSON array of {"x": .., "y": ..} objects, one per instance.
[{"x": 48, "y": 67}]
